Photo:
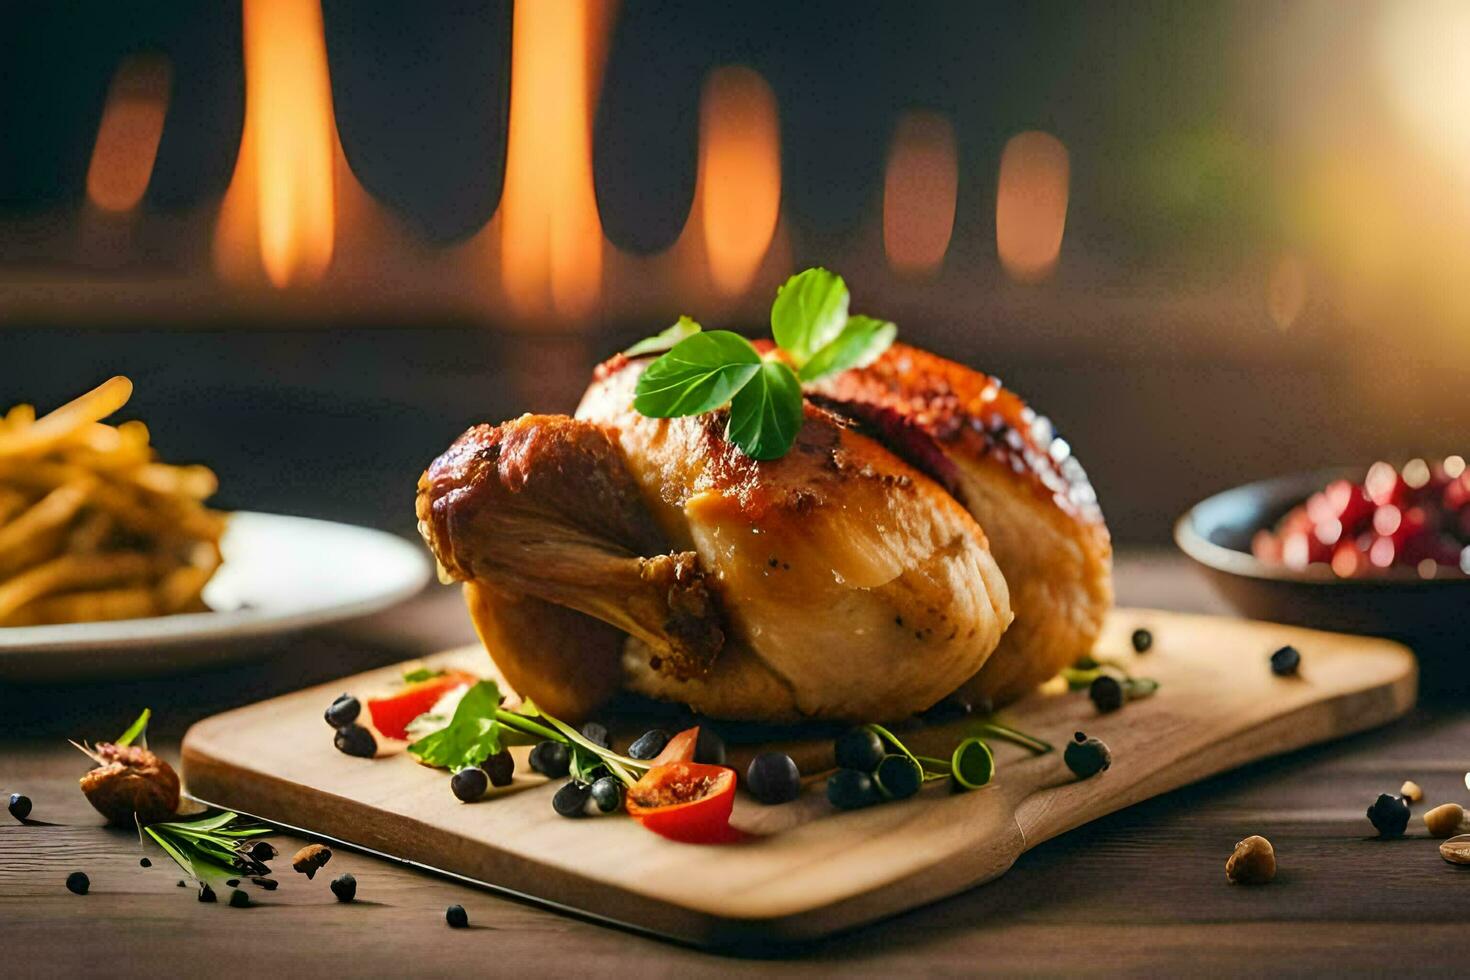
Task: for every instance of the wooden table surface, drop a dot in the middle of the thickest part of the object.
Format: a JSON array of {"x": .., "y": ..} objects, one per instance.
[{"x": 1142, "y": 891}]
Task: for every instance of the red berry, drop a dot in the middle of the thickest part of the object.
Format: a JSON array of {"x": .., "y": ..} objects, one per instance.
[
  {"x": 1382, "y": 552},
  {"x": 1350, "y": 503},
  {"x": 1349, "y": 561},
  {"x": 1384, "y": 486}
]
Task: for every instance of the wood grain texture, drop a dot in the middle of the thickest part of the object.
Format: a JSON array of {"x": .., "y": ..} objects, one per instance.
[{"x": 810, "y": 871}]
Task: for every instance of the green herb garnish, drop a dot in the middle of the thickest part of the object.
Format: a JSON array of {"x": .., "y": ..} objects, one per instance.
[
  {"x": 138, "y": 729},
  {"x": 215, "y": 847},
  {"x": 422, "y": 674},
  {"x": 481, "y": 727},
  {"x": 705, "y": 370},
  {"x": 971, "y": 765}
]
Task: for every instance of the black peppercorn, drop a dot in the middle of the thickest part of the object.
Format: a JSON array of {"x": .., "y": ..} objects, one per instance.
[
  {"x": 343, "y": 711},
  {"x": 344, "y": 887},
  {"x": 1389, "y": 815},
  {"x": 1086, "y": 757},
  {"x": 1284, "y": 662},
  {"x": 144, "y": 863},
  {"x": 206, "y": 894},
  {"x": 1106, "y": 693},
  {"x": 20, "y": 806},
  {"x": 1143, "y": 641},
  {"x": 239, "y": 900},
  {"x": 356, "y": 741},
  {"x": 456, "y": 916},
  {"x": 77, "y": 883}
]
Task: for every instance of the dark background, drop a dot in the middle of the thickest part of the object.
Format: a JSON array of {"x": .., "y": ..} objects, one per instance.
[{"x": 1151, "y": 346}]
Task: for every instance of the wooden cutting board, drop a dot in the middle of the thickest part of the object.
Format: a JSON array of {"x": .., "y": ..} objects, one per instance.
[{"x": 809, "y": 870}]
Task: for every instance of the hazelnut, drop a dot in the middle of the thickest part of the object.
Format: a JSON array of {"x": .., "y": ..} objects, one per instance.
[
  {"x": 1252, "y": 863},
  {"x": 310, "y": 858},
  {"x": 1411, "y": 791},
  {"x": 130, "y": 782},
  {"x": 1445, "y": 819}
]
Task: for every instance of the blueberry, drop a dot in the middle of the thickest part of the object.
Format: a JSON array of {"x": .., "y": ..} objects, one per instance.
[
  {"x": 239, "y": 900},
  {"x": 1106, "y": 693},
  {"x": 77, "y": 883},
  {"x": 456, "y": 916},
  {"x": 469, "y": 784},
  {"x": 571, "y": 799},
  {"x": 952, "y": 708},
  {"x": 850, "y": 789},
  {"x": 607, "y": 794},
  {"x": 898, "y": 777},
  {"x": 500, "y": 767},
  {"x": 649, "y": 744},
  {"x": 1389, "y": 815},
  {"x": 344, "y": 887},
  {"x": 1086, "y": 757},
  {"x": 356, "y": 741},
  {"x": 1284, "y": 662},
  {"x": 20, "y": 806},
  {"x": 773, "y": 778},
  {"x": 709, "y": 748},
  {"x": 596, "y": 734},
  {"x": 550, "y": 758},
  {"x": 343, "y": 711},
  {"x": 1143, "y": 640},
  {"x": 859, "y": 749},
  {"x": 206, "y": 894}
]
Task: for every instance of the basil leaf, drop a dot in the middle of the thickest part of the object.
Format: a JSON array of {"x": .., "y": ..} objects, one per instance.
[
  {"x": 472, "y": 735},
  {"x": 137, "y": 728},
  {"x": 700, "y": 374},
  {"x": 766, "y": 414},
  {"x": 809, "y": 312},
  {"x": 858, "y": 345},
  {"x": 685, "y": 327},
  {"x": 422, "y": 674}
]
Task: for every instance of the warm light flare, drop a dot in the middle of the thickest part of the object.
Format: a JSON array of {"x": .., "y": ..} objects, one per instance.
[
  {"x": 1286, "y": 291},
  {"x": 551, "y": 237},
  {"x": 127, "y": 138},
  {"x": 739, "y": 190},
  {"x": 281, "y": 197},
  {"x": 1422, "y": 52},
  {"x": 1031, "y": 205},
  {"x": 919, "y": 191}
]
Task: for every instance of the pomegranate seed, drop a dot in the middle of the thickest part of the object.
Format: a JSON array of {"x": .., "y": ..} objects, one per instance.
[
  {"x": 1348, "y": 560},
  {"x": 1320, "y": 508},
  {"x": 1383, "y": 485},
  {"x": 1267, "y": 547},
  {"x": 1328, "y": 532},
  {"x": 1382, "y": 552},
  {"x": 1386, "y": 520}
]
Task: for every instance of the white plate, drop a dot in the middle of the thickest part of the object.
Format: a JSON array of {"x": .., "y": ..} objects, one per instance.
[{"x": 280, "y": 574}]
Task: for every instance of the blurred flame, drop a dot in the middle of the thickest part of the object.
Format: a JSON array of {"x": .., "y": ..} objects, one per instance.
[
  {"x": 919, "y": 191},
  {"x": 1286, "y": 291},
  {"x": 551, "y": 237},
  {"x": 281, "y": 195},
  {"x": 1031, "y": 205},
  {"x": 739, "y": 182},
  {"x": 127, "y": 138}
]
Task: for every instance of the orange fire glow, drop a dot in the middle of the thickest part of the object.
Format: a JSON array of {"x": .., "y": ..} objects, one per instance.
[
  {"x": 127, "y": 138},
  {"x": 919, "y": 191},
  {"x": 551, "y": 237},
  {"x": 280, "y": 199},
  {"x": 739, "y": 183},
  {"x": 1031, "y": 205}
]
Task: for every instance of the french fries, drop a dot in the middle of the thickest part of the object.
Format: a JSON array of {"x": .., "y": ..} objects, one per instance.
[{"x": 92, "y": 525}]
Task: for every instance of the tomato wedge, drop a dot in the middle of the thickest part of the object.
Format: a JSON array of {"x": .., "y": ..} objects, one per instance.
[
  {"x": 686, "y": 801},
  {"x": 680, "y": 748},
  {"x": 392, "y": 714}
]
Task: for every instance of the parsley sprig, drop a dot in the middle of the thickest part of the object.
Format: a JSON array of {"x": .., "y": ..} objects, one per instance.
[{"x": 703, "y": 370}]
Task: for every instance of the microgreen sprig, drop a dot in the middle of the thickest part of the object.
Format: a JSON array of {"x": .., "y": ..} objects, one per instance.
[
  {"x": 971, "y": 764},
  {"x": 213, "y": 847},
  {"x": 701, "y": 371}
]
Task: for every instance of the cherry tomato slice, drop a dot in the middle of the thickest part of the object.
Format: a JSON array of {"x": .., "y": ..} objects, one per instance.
[
  {"x": 686, "y": 801},
  {"x": 680, "y": 748},
  {"x": 392, "y": 714}
]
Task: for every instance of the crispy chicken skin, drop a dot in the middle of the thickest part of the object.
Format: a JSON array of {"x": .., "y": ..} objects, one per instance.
[
  {"x": 854, "y": 586},
  {"x": 541, "y": 516},
  {"x": 1022, "y": 485}
]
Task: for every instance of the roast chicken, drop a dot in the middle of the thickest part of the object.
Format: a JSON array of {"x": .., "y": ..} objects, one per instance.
[{"x": 870, "y": 572}]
